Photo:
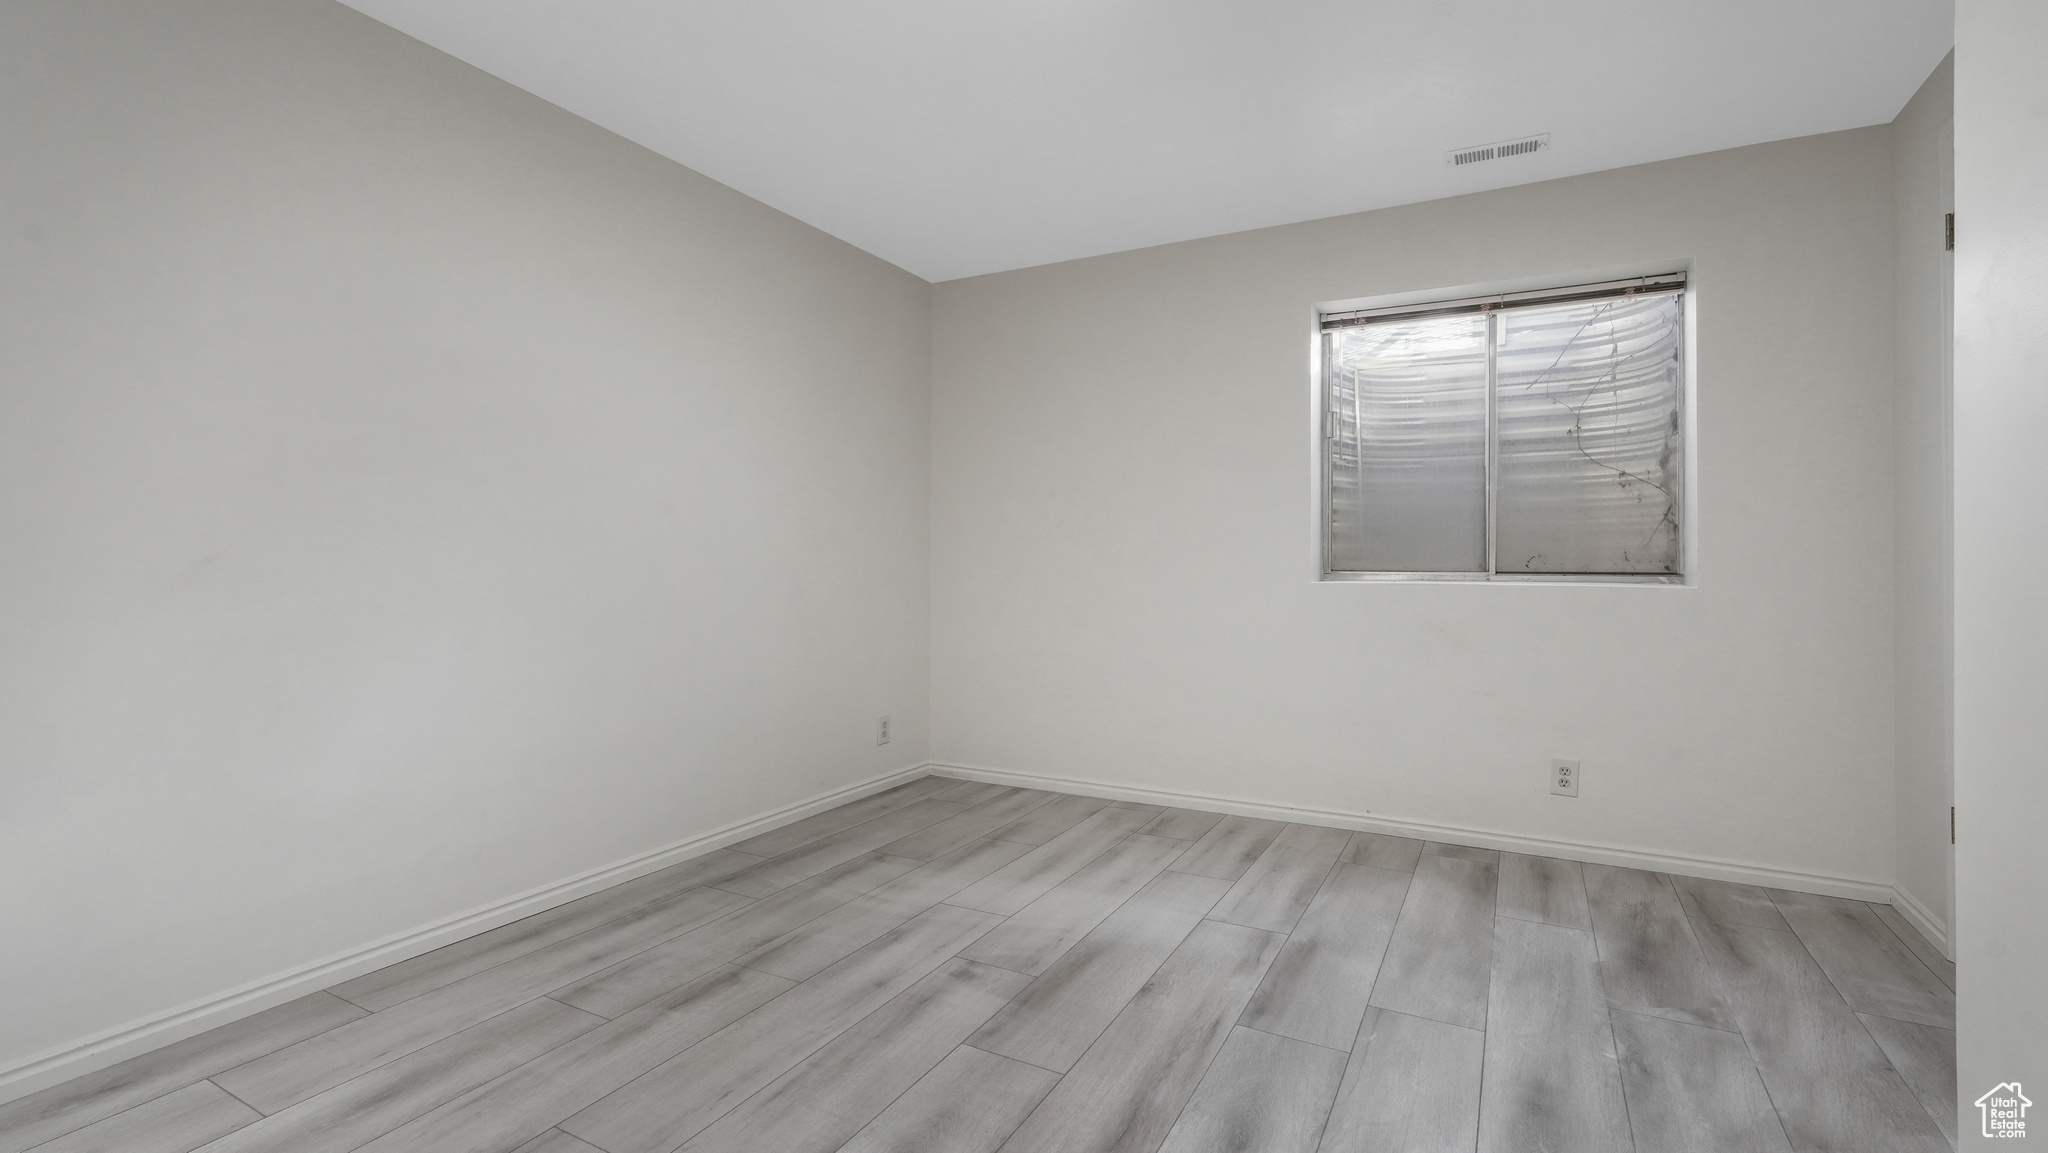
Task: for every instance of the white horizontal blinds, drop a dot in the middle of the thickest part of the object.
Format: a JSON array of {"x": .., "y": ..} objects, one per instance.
[
  {"x": 1634, "y": 286},
  {"x": 1408, "y": 446},
  {"x": 1580, "y": 402},
  {"x": 1588, "y": 400}
]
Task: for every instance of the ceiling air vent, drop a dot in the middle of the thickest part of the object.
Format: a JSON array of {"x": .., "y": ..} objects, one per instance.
[{"x": 1478, "y": 153}]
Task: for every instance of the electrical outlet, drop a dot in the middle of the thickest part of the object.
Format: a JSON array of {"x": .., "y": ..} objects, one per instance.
[
  {"x": 1564, "y": 777},
  {"x": 881, "y": 730}
]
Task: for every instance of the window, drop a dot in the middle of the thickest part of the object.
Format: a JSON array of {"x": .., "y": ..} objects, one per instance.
[{"x": 1530, "y": 436}]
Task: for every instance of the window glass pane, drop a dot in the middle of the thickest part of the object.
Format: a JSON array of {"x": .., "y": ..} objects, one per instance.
[
  {"x": 1588, "y": 406},
  {"x": 1408, "y": 461}
]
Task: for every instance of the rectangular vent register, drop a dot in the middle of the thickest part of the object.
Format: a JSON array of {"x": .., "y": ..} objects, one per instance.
[{"x": 1480, "y": 153}]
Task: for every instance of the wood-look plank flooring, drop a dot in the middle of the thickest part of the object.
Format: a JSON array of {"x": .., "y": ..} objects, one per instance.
[{"x": 957, "y": 967}]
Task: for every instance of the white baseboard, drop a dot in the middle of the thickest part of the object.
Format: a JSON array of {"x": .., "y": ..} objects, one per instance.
[
  {"x": 41, "y": 1070},
  {"x": 1716, "y": 869},
  {"x": 1923, "y": 919},
  {"x": 96, "y": 1052}
]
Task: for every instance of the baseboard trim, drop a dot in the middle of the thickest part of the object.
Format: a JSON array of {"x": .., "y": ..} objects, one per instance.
[
  {"x": 54, "y": 1066},
  {"x": 1923, "y": 919},
  {"x": 1715, "y": 869}
]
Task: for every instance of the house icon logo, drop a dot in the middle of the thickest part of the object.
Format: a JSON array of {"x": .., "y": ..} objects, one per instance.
[{"x": 2005, "y": 1111}]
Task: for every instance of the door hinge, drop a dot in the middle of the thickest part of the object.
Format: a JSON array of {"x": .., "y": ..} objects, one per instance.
[
  {"x": 1951, "y": 824},
  {"x": 1948, "y": 230}
]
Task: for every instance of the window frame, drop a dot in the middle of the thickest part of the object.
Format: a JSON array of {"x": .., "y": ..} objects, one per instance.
[{"x": 1491, "y": 300}]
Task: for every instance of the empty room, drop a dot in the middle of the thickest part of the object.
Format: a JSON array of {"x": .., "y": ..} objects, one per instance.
[{"x": 899, "y": 577}]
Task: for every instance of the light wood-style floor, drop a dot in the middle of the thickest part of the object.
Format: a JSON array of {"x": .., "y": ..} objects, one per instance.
[{"x": 956, "y": 967}]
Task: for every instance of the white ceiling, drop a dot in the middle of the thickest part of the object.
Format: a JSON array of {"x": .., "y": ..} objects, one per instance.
[{"x": 955, "y": 137}]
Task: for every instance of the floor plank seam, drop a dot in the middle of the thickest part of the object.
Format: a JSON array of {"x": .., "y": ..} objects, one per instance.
[
  {"x": 772, "y": 1082},
  {"x": 1613, "y": 1053},
  {"x": 550, "y": 996},
  {"x": 1676, "y": 965},
  {"x": 1007, "y": 1057},
  {"x": 230, "y": 1093},
  {"x": 1284, "y": 1037},
  {"x": 1903, "y": 1021},
  {"x": 1656, "y": 1017},
  {"x": 619, "y": 959},
  {"x": 1538, "y": 921},
  {"x": 1197, "y": 1080},
  {"x": 120, "y": 1112},
  {"x": 1839, "y": 990},
  {"x": 1498, "y": 916},
  {"x": 1628, "y": 1124},
  {"x": 992, "y": 964},
  {"x": 330, "y": 992},
  {"x": 1479, "y": 1112},
  {"x": 915, "y": 1081},
  {"x": 1777, "y": 1113},
  {"x": 1741, "y": 925}
]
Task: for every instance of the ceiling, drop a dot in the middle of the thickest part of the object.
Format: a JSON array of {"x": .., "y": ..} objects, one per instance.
[{"x": 954, "y": 137}]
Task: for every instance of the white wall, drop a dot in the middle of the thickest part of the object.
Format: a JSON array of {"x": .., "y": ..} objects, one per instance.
[
  {"x": 2001, "y": 549},
  {"x": 1923, "y": 173},
  {"x": 1122, "y": 471},
  {"x": 410, "y": 495}
]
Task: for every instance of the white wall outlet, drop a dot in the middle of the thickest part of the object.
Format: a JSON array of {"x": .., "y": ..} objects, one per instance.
[
  {"x": 1564, "y": 777},
  {"x": 881, "y": 730}
]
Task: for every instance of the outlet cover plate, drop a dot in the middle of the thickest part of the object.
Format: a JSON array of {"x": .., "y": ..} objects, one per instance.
[{"x": 1564, "y": 777}]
